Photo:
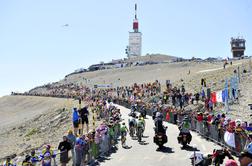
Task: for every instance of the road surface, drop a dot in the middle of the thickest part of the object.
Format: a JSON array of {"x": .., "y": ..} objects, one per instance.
[{"x": 146, "y": 154}]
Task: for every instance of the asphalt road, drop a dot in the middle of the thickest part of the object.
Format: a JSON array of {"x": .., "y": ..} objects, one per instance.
[{"x": 146, "y": 154}]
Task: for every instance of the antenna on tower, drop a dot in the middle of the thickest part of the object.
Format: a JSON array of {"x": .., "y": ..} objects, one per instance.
[{"x": 135, "y": 11}]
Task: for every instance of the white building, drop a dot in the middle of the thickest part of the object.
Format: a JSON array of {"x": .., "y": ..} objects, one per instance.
[{"x": 135, "y": 44}]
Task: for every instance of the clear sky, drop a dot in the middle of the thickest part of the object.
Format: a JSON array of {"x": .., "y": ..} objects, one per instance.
[{"x": 35, "y": 47}]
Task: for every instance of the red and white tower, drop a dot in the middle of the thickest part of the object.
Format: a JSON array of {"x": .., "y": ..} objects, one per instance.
[
  {"x": 135, "y": 21},
  {"x": 135, "y": 39}
]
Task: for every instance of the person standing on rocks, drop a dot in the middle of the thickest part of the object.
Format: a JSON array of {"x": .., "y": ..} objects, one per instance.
[
  {"x": 64, "y": 147},
  {"x": 75, "y": 120},
  {"x": 84, "y": 118}
]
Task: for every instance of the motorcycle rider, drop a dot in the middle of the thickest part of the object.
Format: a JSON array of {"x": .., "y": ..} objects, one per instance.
[
  {"x": 159, "y": 123},
  {"x": 184, "y": 128},
  {"x": 133, "y": 109},
  {"x": 143, "y": 111},
  {"x": 154, "y": 112}
]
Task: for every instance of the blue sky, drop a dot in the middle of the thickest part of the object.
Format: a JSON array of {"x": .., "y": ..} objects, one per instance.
[{"x": 35, "y": 47}]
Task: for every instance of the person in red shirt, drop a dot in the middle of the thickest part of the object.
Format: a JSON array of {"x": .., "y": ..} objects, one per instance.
[{"x": 200, "y": 117}]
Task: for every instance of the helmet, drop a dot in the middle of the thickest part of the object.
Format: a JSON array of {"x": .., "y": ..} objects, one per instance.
[
  {"x": 186, "y": 118},
  {"x": 198, "y": 157},
  {"x": 158, "y": 114}
]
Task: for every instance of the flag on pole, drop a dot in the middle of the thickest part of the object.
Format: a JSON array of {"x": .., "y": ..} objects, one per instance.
[
  {"x": 213, "y": 97},
  {"x": 219, "y": 96},
  {"x": 223, "y": 95},
  {"x": 226, "y": 96},
  {"x": 229, "y": 138}
]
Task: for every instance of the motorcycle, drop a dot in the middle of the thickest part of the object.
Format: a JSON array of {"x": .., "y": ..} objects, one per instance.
[
  {"x": 183, "y": 139},
  {"x": 160, "y": 139}
]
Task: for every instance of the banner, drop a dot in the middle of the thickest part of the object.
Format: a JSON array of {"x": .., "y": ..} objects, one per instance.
[{"x": 229, "y": 138}]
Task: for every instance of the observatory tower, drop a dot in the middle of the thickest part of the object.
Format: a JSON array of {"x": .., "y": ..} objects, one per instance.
[
  {"x": 238, "y": 47},
  {"x": 135, "y": 39}
]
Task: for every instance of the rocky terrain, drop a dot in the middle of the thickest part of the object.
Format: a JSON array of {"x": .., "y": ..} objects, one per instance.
[{"x": 47, "y": 123}]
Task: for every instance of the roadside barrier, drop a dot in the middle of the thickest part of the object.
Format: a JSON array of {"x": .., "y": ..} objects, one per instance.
[{"x": 209, "y": 131}]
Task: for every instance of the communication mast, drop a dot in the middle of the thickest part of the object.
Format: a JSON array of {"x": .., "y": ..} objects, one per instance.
[{"x": 135, "y": 39}]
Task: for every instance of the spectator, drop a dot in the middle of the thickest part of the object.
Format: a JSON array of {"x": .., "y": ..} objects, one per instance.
[
  {"x": 72, "y": 139},
  {"x": 79, "y": 151},
  {"x": 84, "y": 118},
  {"x": 64, "y": 147},
  {"x": 34, "y": 157},
  {"x": 75, "y": 120}
]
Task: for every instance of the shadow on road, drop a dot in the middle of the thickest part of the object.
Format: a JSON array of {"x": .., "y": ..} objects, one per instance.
[
  {"x": 127, "y": 147},
  {"x": 165, "y": 150},
  {"x": 134, "y": 138},
  {"x": 102, "y": 159},
  {"x": 189, "y": 148},
  {"x": 143, "y": 143}
]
